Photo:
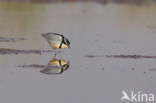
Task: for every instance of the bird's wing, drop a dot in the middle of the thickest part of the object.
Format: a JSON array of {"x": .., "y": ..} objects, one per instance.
[{"x": 54, "y": 39}]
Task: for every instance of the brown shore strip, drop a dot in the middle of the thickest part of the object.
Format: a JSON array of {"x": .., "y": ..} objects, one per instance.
[
  {"x": 9, "y": 39},
  {"x": 98, "y": 1},
  {"x": 122, "y": 56},
  {"x": 4, "y": 51},
  {"x": 93, "y": 56},
  {"x": 37, "y": 66},
  {"x": 32, "y": 66},
  {"x": 130, "y": 56}
]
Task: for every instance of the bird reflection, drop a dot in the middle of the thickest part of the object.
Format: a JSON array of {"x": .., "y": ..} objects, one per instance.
[{"x": 55, "y": 66}]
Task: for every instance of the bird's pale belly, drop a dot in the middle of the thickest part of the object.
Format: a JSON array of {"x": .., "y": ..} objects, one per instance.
[
  {"x": 57, "y": 46},
  {"x": 54, "y": 46}
]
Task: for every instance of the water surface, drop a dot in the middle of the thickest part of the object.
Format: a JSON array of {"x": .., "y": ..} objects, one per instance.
[{"x": 95, "y": 31}]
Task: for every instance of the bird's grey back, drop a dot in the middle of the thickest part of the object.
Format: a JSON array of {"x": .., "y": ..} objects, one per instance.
[{"x": 53, "y": 38}]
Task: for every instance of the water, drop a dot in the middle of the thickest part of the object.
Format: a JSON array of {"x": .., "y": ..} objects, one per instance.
[{"x": 95, "y": 31}]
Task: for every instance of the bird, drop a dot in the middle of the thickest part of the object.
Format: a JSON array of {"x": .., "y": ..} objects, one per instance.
[
  {"x": 55, "y": 66},
  {"x": 56, "y": 41}
]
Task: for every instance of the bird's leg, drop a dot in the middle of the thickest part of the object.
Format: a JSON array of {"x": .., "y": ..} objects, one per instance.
[{"x": 54, "y": 53}]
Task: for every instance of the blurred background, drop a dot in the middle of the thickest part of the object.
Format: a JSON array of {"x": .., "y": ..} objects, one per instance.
[{"x": 99, "y": 1}]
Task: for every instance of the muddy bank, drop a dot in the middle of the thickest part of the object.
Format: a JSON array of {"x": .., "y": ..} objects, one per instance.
[
  {"x": 131, "y": 56},
  {"x": 93, "y": 56},
  {"x": 5, "y": 51},
  {"x": 9, "y": 39},
  {"x": 97, "y": 1},
  {"x": 122, "y": 56},
  {"x": 36, "y": 66}
]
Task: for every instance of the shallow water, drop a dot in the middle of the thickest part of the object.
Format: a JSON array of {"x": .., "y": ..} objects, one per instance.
[{"x": 95, "y": 31}]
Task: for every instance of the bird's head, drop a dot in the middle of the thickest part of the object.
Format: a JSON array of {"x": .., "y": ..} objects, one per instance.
[{"x": 67, "y": 42}]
